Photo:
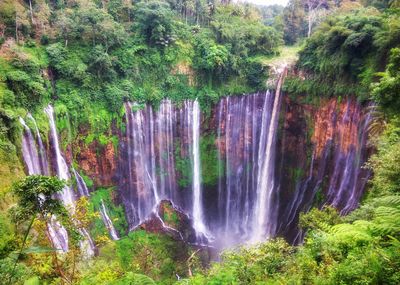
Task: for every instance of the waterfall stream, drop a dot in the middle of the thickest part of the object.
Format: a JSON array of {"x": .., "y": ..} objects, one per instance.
[
  {"x": 266, "y": 208},
  {"x": 67, "y": 195},
  {"x": 37, "y": 163},
  {"x": 194, "y": 119},
  {"x": 107, "y": 221},
  {"x": 34, "y": 160},
  {"x": 84, "y": 192},
  {"x": 160, "y": 157}
]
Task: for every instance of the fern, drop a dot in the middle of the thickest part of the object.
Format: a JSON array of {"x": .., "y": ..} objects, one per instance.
[
  {"x": 393, "y": 201},
  {"x": 136, "y": 279},
  {"x": 384, "y": 211}
]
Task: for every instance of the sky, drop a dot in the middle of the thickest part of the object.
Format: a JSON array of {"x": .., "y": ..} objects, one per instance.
[{"x": 268, "y": 2}]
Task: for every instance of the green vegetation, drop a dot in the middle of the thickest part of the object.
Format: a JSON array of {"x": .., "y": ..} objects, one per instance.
[
  {"x": 209, "y": 161},
  {"x": 134, "y": 256},
  {"x": 182, "y": 167},
  {"x": 170, "y": 216},
  {"x": 36, "y": 202},
  {"x": 349, "y": 54},
  {"x": 116, "y": 213},
  {"x": 88, "y": 57},
  {"x": 345, "y": 53}
]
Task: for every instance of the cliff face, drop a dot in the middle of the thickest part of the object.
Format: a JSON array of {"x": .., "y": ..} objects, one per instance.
[
  {"x": 98, "y": 162},
  {"x": 317, "y": 158},
  {"x": 323, "y": 148}
]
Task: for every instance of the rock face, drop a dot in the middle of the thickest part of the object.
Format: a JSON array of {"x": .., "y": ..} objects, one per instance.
[
  {"x": 305, "y": 154},
  {"x": 168, "y": 219},
  {"x": 323, "y": 148},
  {"x": 99, "y": 162}
]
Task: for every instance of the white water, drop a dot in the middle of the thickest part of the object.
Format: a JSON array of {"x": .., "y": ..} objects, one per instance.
[
  {"x": 141, "y": 169},
  {"x": 67, "y": 195},
  {"x": 84, "y": 192},
  {"x": 198, "y": 222},
  {"x": 44, "y": 164},
  {"x": 81, "y": 185},
  {"x": 29, "y": 150},
  {"x": 33, "y": 160},
  {"x": 264, "y": 226},
  {"x": 107, "y": 221}
]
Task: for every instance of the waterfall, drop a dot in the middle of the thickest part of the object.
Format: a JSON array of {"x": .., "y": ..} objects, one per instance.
[
  {"x": 245, "y": 141},
  {"x": 80, "y": 184},
  {"x": 160, "y": 157},
  {"x": 67, "y": 195},
  {"x": 247, "y": 206},
  {"x": 165, "y": 121},
  {"x": 344, "y": 185},
  {"x": 197, "y": 211},
  {"x": 36, "y": 162},
  {"x": 107, "y": 221},
  {"x": 29, "y": 150},
  {"x": 149, "y": 172},
  {"x": 44, "y": 164},
  {"x": 84, "y": 192},
  {"x": 265, "y": 222},
  {"x": 141, "y": 169}
]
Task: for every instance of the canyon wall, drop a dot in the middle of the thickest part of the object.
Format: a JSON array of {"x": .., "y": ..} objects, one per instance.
[
  {"x": 323, "y": 147},
  {"x": 242, "y": 172}
]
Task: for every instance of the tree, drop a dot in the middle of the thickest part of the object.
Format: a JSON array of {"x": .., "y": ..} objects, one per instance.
[
  {"x": 155, "y": 21},
  {"x": 36, "y": 200},
  {"x": 315, "y": 9},
  {"x": 294, "y": 22},
  {"x": 21, "y": 20},
  {"x": 386, "y": 92}
]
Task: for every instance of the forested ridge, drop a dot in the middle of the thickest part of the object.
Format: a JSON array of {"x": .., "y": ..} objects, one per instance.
[{"x": 89, "y": 58}]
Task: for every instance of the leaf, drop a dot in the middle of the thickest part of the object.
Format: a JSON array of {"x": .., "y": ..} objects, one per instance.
[
  {"x": 39, "y": 249},
  {"x": 32, "y": 281}
]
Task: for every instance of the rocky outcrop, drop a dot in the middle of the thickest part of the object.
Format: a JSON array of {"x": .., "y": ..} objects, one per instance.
[
  {"x": 98, "y": 162},
  {"x": 168, "y": 219},
  {"x": 319, "y": 151},
  {"x": 323, "y": 148}
]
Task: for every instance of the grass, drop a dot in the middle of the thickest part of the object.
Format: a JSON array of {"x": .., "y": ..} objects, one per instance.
[{"x": 287, "y": 55}]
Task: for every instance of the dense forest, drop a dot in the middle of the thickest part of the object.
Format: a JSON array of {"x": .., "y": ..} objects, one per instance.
[{"x": 102, "y": 101}]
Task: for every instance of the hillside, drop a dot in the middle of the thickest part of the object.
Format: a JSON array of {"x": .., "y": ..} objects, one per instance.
[{"x": 199, "y": 142}]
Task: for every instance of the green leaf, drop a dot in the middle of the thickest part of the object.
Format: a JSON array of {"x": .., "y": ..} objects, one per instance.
[
  {"x": 32, "y": 281},
  {"x": 39, "y": 249}
]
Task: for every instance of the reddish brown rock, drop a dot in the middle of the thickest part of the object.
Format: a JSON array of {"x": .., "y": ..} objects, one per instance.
[
  {"x": 335, "y": 121},
  {"x": 98, "y": 162},
  {"x": 170, "y": 220}
]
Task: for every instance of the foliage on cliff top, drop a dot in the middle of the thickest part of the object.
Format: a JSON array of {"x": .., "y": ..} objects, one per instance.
[
  {"x": 88, "y": 57},
  {"x": 345, "y": 53}
]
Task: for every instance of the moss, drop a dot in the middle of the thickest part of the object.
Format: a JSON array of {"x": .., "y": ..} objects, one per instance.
[
  {"x": 209, "y": 160},
  {"x": 11, "y": 170},
  {"x": 116, "y": 213},
  {"x": 170, "y": 216},
  {"x": 155, "y": 255},
  {"x": 183, "y": 167},
  {"x": 89, "y": 182},
  {"x": 318, "y": 86},
  {"x": 297, "y": 174}
]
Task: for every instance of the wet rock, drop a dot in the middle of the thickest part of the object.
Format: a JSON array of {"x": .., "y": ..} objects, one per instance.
[{"x": 168, "y": 219}]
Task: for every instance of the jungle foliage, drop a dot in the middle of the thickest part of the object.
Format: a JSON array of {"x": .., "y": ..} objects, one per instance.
[
  {"x": 88, "y": 57},
  {"x": 347, "y": 54}
]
